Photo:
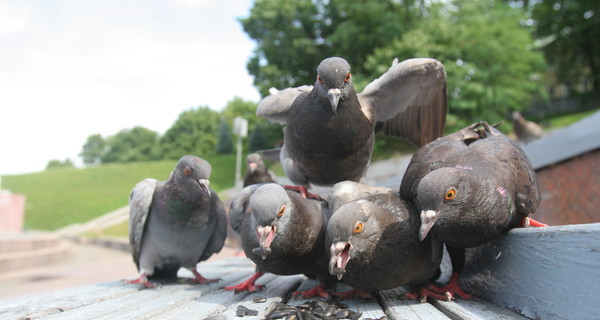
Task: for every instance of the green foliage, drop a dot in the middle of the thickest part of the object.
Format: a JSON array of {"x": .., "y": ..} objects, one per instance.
[
  {"x": 257, "y": 140},
  {"x": 137, "y": 144},
  {"x": 194, "y": 132},
  {"x": 569, "y": 31},
  {"x": 57, "y": 198},
  {"x": 57, "y": 164},
  {"x": 488, "y": 56},
  {"x": 93, "y": 150},
  {"x": 224, "y": 142}
]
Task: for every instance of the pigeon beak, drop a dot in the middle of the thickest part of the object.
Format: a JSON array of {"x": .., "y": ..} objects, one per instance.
[
  {"x": 252, "y": 166},
  {"x": 204, "y": 185},
  {"x": 340, "y": 255},
  {"x": 265, "y": 236},
  {"x": 334, "y": 97},
  {"x": 428, "y": 219}
]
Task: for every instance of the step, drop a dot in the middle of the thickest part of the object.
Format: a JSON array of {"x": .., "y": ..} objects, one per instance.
[
  {"x": 18, "y": 260},
  {"x": 18, "y": 242}
]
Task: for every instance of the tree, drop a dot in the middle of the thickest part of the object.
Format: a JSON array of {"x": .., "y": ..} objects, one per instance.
[
  {"x": 194, "y": 132},
  {"x": 93, "y": 150},
  {"x": 225, "y": 143},
  {"x": 136, "y": 144},
  {"x": 568, "y": 31},
  {"x": 293, "y": 36},
  {"x": 57, "y": 164},
  {"x": 257, "y": 140}
]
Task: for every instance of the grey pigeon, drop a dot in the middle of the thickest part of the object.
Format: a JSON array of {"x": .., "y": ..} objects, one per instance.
[
  {"x": 330, "y": 129},
  {"x": 282, "y": 233},
  {"x": 256, "y": 171},
  {"x": 469, "y": 187},
  {"x": 526, "y": 131},
  {"x": 175, "y": 223},
  {"x": 372, "y": 237}
]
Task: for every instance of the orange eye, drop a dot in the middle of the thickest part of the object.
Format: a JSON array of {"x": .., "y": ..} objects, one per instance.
[
  {"x": 187, "y": 171},
  {"x": 347, "y": 77},
  {"x": 358, "y": 227},
  {"x": 319, "y": 78},
  {"x": 450, "y": 194},
  {"x": 281, "y": 211}
]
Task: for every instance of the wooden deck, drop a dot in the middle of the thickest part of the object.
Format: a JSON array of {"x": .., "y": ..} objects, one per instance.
[{"x": 541, "y": 273}]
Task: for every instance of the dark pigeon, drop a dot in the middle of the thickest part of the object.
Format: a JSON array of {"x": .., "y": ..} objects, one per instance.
[
  {"x": 469, "y": 187},
  {"x": 282, "y": 233},
  {"x": 373, "y": 240},
  {"x": 256, "y": 171},
  {"x": 526, "y": 131},
  {"x": 175, "y": 223},
  {"x": 330, "y": 129}
]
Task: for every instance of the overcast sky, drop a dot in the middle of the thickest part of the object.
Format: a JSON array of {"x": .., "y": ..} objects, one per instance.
[{"x": 72, "y": 68}]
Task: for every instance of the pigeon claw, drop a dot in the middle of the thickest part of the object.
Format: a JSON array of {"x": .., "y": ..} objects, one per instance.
[
  {"x": 247, "y": 285},
  {"x": 318, "y": 290},
  {"x": 303, "y": 192},
  {"x": 199, "y": 279},
  {"x": 450, "y": 290},
  {"x": 143, "y": 279},
  {"x": 528, "y": 222},
  {"x": 353, "y": 293}
]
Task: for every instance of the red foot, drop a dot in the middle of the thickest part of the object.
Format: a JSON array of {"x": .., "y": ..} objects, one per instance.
[
  {"x": 352, "y": 294},
  {"x": 198, "y": 278},
  {"x": 528, "y": 222},
  {"x": 303, "y": 192},
  {"x": 318, "y": 290},
  {"x": 247, "y": 285},
  {"x": 451, "y": 289},
  {"x": 425, "y": 293},
  {"x": 142, "y": 279}
]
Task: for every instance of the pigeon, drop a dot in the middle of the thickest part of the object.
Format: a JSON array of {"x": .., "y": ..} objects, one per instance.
[
  {"x": 282, "y": 233},
  {"x": 373, "y": 242},
  {"x": 175, "y": 223},
  {"x": 469, "y": 187},
  {"x": 330, "y": 129},
  {"x": 257, "y": 172},
  {"x": 526, "y": 131}
]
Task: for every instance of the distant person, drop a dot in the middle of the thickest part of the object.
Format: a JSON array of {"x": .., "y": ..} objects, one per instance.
[
  {"x": 257, "y": 171},
  {"x": 526, "y": 131}
]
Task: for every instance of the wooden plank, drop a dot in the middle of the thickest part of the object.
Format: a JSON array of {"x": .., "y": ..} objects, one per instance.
[
  {"x": 147, "y": 303},
  {"x": 474, "y": 310},
  {"x": 547, "y": 273},
  {"x": 398, "y": 308}
]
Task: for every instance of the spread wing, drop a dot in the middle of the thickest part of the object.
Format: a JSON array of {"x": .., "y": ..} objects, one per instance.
[
  {"x": 140, "y": 200},
  {"x": 409, "y": 100},
  {"x": 237, "y": 209},
  {"x": 275, "y": 106},
  {"x": 217, "y": 239}
]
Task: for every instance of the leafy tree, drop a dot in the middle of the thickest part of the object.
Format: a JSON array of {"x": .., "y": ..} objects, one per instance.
[
  {"x": 93, "y": 150},
  {"x": 293, "y": 36},
  {"x": 194, "y": 132},
  {"x": 488, "y": 54},
  {"x": 257, "y": 140},
  {"x": 136, "y": 144},
  {"x": 225, "y": 143},
  {"x": 569, "y": 31},
  {"x": 57, "y": 164}
]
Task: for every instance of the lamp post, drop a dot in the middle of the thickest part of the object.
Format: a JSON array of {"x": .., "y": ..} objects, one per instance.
[{"x": 240, "y": 128}]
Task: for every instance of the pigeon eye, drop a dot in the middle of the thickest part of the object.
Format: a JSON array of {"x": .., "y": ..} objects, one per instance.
[
  {"x": 281, "y": 211},
  {"x": 358, "y": 227},
  {"x": 347, "y": 79},
  {"x": 450, "y": 194},
  {"x": 319, "y": 78},
  {"x": 187, "y": 171}
]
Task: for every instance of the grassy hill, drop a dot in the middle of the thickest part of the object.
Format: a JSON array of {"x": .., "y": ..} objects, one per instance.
[{"x": 60, "y": 197}]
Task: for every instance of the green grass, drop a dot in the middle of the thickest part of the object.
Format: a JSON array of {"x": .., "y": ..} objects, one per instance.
[
  {"x": 568, "y": 119},
  {"x": 57, "y": 198}
]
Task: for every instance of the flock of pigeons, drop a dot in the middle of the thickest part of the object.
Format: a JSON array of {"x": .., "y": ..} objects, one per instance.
[{"x": 460, "y": 190}]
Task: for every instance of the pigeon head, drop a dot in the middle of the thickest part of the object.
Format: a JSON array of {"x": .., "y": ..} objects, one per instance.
[
  {"x": 270, "y": 207},
  {"x": 459, "y": 201},
  {"x": 334, "y": 80},
  {"x": 254, "y": 161},
  {"x": 193, "y": 172},
  {"x": 351, "y": 229}
]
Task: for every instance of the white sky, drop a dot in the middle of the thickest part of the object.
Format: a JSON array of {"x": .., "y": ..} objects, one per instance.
[{"x": 72, "y": 68}]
